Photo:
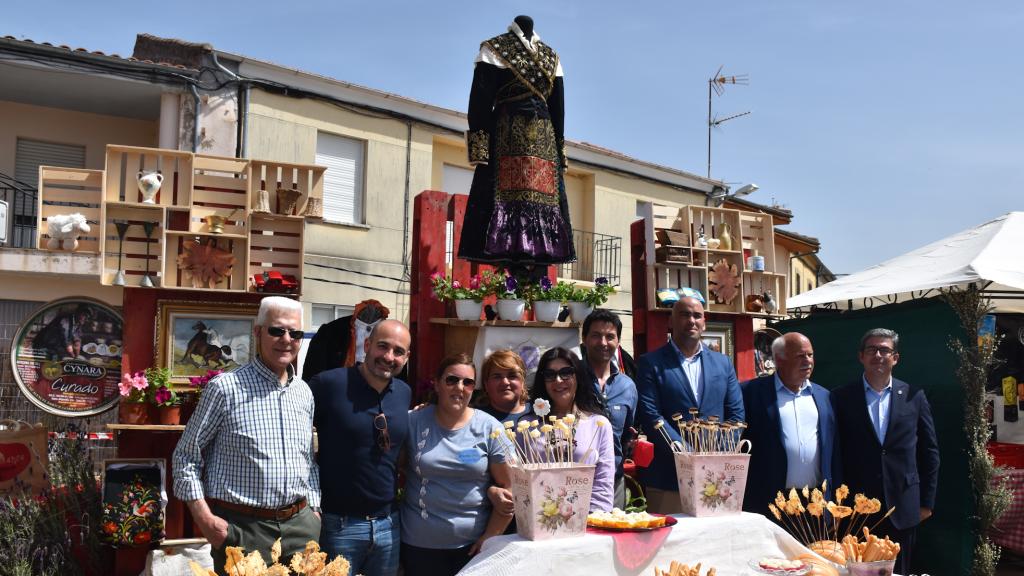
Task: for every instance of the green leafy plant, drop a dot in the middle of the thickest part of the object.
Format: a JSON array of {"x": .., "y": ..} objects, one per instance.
[
  {"x": 507, "y": 288},
  {"x": 545, "y": 291},
  {"x": 160, "y": 389},
  {"x": 595, "y": 296},
  {"x": 479, "y": 287}
]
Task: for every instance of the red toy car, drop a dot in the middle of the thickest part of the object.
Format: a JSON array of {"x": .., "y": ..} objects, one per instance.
[{"x": 274, "y": 282}]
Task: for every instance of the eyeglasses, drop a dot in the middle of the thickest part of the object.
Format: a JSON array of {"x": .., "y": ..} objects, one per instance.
[
  {"x": 453, "y": 380},
  {"x": 884, "y": 351},
  {"x": 278, "y": 332},
  {"x": 563, "y": 373},
  {"x": 380, "y": 426}
]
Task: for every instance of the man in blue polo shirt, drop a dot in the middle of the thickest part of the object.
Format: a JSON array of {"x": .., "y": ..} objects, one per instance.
[
  {"x": 362, "y": 419},
  {"x": 601, "y": 332}
]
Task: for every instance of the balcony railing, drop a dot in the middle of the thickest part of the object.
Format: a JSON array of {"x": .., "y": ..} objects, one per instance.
[
  {"x": 21, "y": 211},
  {"x": 597, "y": 256}
]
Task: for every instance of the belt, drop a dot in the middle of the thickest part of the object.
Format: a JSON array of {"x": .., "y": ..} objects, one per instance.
[{"x": 279, "y": 514}]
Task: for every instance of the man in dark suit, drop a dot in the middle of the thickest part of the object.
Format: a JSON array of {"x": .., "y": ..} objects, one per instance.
[
  {"x": 790, "y": 424},
  {"x": 887, "y": 440},
  {"x": 680, "y": 375}
]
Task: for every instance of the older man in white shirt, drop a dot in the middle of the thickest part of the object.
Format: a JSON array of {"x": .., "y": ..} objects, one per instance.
[{"x": 791, "y": 425}]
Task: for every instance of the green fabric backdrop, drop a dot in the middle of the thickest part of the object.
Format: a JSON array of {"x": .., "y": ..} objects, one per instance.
[{"x": 944, "y": 543}]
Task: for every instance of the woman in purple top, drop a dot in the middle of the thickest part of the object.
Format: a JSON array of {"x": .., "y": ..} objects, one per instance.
[{"x": 559, "y": 377}]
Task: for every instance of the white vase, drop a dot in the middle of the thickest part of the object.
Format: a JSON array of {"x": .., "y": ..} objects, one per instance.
[
  {"x": 511, "y": 309},
  {"x": 468, "y": 309},
  {"x": 580, "y": 311},
  {"x": 546, "y": 311},
  {"x": 149, "y": 182}
]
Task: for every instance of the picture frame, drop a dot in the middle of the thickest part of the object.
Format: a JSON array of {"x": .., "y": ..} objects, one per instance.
[
  {"x": 193, "y": 337},
  {"x": 718, "y": 336}
]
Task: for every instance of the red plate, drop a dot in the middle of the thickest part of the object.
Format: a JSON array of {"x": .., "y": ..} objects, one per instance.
[{"x": 669, "y": 522}]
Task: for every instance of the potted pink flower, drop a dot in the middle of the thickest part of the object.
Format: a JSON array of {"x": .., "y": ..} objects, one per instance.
[
  {"x": 133, "y": 408},
  {"x": 468, "y": 297}
]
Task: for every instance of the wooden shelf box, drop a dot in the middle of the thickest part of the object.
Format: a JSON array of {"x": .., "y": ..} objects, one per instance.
[
  {"x": 66, "y": 191},
  {"x": 308, "y": 179},
  {"x": 133, "y": 262},
  {"x": 125, "y": 162},
  {"x": 235, "y": 244},
  {"x": 758, "y": 234},
  {"x": 275, "y": 244},
  {"x": 220, "y": 187}
]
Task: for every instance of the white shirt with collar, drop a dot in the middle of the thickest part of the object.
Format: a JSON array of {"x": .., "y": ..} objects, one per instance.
[
  {"x": 487, "y": 56},
  {"x": 692, "y": 367},
  {"x": 798, "y": 422}
]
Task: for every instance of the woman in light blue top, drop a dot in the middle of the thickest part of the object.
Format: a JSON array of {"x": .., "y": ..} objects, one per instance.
[{"x": 453, "y": 460}]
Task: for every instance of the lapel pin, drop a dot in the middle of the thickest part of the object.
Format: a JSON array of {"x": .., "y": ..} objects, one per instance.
[{"x": 899, "y": 392}]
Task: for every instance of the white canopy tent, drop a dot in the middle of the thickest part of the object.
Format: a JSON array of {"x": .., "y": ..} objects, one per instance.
[{"x": 990, "y": 256}]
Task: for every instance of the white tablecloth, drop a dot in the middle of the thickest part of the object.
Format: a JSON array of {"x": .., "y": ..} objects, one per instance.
[{"x": 726, "y": 543}]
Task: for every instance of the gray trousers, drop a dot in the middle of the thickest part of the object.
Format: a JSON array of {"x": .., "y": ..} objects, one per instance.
[{"x": 253, "y": 534}]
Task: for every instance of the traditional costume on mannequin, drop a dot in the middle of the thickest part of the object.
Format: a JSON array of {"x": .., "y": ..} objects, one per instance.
[
  {"x": 339, "y": 343},
  {"x": 517, "y": 211}
]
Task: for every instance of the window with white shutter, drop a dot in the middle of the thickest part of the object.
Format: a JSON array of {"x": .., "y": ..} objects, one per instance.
[{"x": 344, "y": 181}]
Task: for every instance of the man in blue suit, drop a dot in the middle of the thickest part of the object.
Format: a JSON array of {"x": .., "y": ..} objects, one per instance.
[
  {"x": 888, "y": 443},
  {"x": 680, "y": 375},
  {"x": 790, "y": 424}
]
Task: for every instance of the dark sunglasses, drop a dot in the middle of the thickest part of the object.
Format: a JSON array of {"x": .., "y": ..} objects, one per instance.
[
  {"x": 453, "y": 380},
  {"x": 564, "y": 374},
  {"x": 277, "y": 332},
  {"x": 380, "y": 425}
]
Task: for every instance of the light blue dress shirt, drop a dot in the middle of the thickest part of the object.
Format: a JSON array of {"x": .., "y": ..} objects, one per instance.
[
  {"x": 878, "y": 407},
  {"x": 798, "y": 419},
  {"x": 692, "y": 367}
]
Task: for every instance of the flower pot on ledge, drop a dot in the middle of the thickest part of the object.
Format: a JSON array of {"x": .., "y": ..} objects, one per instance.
[
  {"x": 546, "y": 311},
  {"x": 580, "y": 311},
  {"x": 133, "y": 413},
  {"x": 511, "y": 309},
  {"x": 169, "y": 415},
  {"x": 468, "y": 309}
]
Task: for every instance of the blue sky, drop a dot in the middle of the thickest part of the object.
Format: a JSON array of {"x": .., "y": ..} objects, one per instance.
[{"x": 882, "y": 125}]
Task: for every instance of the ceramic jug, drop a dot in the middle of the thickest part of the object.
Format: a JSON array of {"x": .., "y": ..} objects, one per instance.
[
  {"x": 149, "y": 185},
  {"x": 725, "y": 235}
]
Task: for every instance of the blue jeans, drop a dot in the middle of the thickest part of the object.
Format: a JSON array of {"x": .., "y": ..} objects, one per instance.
[{"x": 371, "y": 546}]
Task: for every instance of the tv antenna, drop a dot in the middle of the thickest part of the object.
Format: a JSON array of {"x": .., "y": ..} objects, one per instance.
[{"x": 717, "y": 85}]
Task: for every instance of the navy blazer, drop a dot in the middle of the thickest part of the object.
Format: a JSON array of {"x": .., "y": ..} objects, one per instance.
[
  {"x": 665, "y": 390},
  {"x": 768, "y": 461},
  {"x": 904, "y": 470}
]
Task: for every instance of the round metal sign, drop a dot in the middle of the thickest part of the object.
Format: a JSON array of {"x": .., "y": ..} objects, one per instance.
[{"x": 66, "y": 357}]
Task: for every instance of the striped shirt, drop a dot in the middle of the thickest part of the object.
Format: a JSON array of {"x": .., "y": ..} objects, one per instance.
[{"x": 250, "y": 442}]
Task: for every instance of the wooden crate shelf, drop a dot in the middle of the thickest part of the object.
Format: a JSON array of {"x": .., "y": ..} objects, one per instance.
[
  {"x": 174, "y": 277},
  {"x": 67, "y": 191},
  {"x": 275, "y": 244},
  {"x": 194, "y": 188},
  {"x": 220, "y": 187},
  {"x": 750, "y": 232},
  {"x": 124, "y": 163},
  {"x": 308, "y": 179},
  {"x": 134, "y": 261},
  {"x": 758, "y": 236}
]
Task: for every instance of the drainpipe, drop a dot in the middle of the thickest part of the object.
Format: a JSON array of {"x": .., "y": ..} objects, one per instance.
[
  {"x": 408, "y": 184},
  {"x": 195, "y": 121},
  {"x": 243, "y": 107}
]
